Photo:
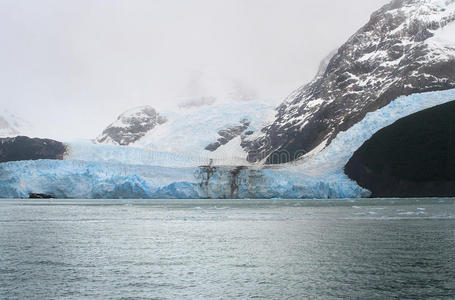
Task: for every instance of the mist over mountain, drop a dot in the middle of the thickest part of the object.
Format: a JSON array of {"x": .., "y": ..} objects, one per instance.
[{"x": 72, "y": 67}]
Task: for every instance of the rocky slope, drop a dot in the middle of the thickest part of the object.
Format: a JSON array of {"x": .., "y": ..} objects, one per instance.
[
  {"x": 407, "y": 47},
  {"x": 229, "y": 133},
  {"x": 131, "y": 125},
  {"x": 414, "y": 157}
]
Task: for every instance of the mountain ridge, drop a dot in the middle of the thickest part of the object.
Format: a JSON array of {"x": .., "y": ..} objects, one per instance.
[
  {"x": 131, "y": 125},
  {"x": 398, "y": 52}
]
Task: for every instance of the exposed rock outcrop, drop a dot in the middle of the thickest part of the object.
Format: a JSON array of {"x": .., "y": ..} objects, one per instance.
[
  {"x": 40, "y": 196},
  {"x": 131, "y": 126},
  {"x": 228, "y": 134},
  {"x": 25, "y": 148},
  {"x": 414, "y": 157}
]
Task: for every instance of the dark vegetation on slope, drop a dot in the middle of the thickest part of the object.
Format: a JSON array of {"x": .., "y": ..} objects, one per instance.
[
  {"x": 414, "y": 157},
  {"x": 25, "y": 148}
]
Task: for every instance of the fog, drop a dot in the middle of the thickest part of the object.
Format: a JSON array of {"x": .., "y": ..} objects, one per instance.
[{"x": 70, "y": 67}]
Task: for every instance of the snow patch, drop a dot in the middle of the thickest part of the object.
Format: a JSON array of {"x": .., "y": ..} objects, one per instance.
[{"x": 315, "y": 103}]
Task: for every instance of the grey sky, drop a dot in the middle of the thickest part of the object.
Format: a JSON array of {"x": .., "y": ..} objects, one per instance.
[{"x": 72, "y": 66}]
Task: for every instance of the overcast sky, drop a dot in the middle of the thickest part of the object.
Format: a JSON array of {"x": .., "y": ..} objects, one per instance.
[{"x": 71, "y": 66}]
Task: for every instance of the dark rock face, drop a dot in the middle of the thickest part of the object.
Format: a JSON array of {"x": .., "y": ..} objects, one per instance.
[
  {"x": 228, "y": 175},
  {"x": 131, "y": 126},
  {"x": 228, "y": 134},
  {"x": 234, "y": 181},
  {"x": 40, "y": 196},
  {"x": 387, "y": 58},
  {"x": 414, "y": 157},
  {"x": 25, "y": 148}
]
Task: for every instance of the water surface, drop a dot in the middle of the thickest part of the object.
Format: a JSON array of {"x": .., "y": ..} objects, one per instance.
[{"x": 225, "y": 249}]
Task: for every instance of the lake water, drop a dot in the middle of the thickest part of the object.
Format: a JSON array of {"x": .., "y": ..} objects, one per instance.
[{"x": 227, "y": 249}]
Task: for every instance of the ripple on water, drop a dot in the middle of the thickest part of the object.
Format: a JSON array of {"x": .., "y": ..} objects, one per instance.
[{"x": 348, "y": 249}]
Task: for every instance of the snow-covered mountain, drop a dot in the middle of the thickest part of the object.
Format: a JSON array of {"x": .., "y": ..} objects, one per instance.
[
  {"x": 210, "y": 131},
  {"x": 407, "y": 47},
  {"x": 11, "y": 125},
  {"x": 131, "y": 125}
]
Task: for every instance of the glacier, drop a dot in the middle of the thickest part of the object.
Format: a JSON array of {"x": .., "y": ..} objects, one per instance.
[
  {"x": 190, "y": 130},
  {"x": 82, "y": 179},
  {"x": 85, "y": 150},
  {"x": 106, "y": 171}
]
